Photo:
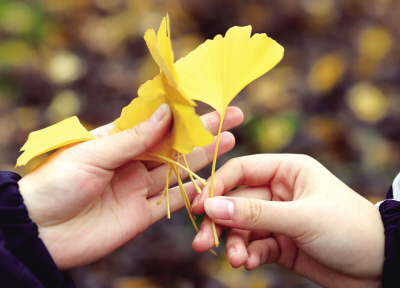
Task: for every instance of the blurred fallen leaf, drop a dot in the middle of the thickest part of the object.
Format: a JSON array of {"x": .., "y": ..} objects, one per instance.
[
  {"x": 367, "y": 102},
  {"x": 27, "y": 118},
  {"x": 64, "y": 104},
  {"x": 374, "y": 42},
  {"x": 272, "y": 91},
  {"x": 15, "y": 53},
  {"x": 325, "y": 73},
  {"x": 65, "y": 67},
  {"x": 274, "y": 133},
  {"x": 136, "y": 282},
  {"x": 324, "y": 129}
]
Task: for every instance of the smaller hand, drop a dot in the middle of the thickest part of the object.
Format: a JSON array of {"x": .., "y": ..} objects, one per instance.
[{"x": 295, "y": 213}]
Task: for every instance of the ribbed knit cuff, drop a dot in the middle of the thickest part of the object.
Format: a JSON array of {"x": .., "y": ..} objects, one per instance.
[{"x": 22, "y": 237}]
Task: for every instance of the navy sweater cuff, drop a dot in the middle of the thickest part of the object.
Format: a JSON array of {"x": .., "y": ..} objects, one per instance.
[
  {"x": 21, "y": 238},
  {"x": 390, "y": 213}
]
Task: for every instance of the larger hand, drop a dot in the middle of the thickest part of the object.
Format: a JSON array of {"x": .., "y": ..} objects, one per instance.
[
  {"x": 298, "y": 215},
  {"x": 91, "y": 198}
]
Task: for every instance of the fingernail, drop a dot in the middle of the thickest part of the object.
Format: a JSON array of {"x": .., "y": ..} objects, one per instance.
[
  {"x": 160, "y": 113},
  {"x": 247, "y": 260},
  {"x": 219, "y": 208},
  {"x": 195, "y": 201},
  {"x": 231, "y": 252},
  {"x": 198, "y": 236}
]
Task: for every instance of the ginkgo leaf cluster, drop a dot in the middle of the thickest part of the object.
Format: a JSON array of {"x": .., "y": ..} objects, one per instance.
[{"x": 214, "y": 73}]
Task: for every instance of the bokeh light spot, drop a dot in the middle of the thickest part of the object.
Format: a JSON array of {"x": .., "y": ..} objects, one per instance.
[
  {"x": 325, "y": 73},
  {"x": 367, "y": 102},
  {"x": 65, "y": 67},
  {"x": 374, "y": 42},
  {"x": 65, "y": 104}
]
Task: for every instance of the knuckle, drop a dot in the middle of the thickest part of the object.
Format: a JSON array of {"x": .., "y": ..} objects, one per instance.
[
  {"x": 293, "y": 165},
  {"x": 263, "y": 253},
  {"x": 252, "y": 212},
  {"x": 208, "y": 152},
  {"x": 138, "y": 133},
  {"x": 207, "y": 124},
  {"x": 305, "y": 160},
  {"x": 232, "y": 162},
  {"x": 183, "y": 174},
  {"x": 151, "y": 182}
]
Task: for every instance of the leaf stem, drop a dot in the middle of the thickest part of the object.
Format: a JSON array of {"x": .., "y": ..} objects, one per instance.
[
  {"x": 184, "y": 191},
  {"x": 181, "y": 166},
  {"x": 185, "y": 198},
  {"x": 216, "y": 241},
  {"x": 190, "y": 175},
  {"x": 166, "y": 189},
  {"x": 187, "y": 204},
  {"x": 169, "y": 171}
]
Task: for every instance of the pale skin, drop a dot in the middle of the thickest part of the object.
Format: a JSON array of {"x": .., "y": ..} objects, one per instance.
[
  {"x": 90, "y": 198},
  {"x": 295, "y": 213}
]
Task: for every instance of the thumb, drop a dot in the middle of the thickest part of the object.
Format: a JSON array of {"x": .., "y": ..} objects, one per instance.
[
  {"x": 253, "y": 214},
  {"x": 113, "y": 151}
]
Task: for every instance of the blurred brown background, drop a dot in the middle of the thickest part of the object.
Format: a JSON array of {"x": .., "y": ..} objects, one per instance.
[{"x": 334, "y": 96}]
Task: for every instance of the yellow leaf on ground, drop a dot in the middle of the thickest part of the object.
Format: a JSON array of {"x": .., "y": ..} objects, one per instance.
[{"x": 63, "y": 133}]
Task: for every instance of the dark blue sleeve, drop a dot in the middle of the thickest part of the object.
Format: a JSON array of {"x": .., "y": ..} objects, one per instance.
[
  {"x": 24, "y": 259},
  {"x": 390, "y": 213}
]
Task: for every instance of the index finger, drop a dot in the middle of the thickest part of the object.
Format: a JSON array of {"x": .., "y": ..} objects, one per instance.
[
  {"x": 103, "y": 131},
  {"x": 277, "y": 170}
]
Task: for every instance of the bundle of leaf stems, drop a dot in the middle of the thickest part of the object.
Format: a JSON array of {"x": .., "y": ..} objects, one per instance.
[{"x": 173, "y": 165}]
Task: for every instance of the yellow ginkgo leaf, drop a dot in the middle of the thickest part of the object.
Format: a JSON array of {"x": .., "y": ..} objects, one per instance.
[
  {"x": 125, "y": 110},
  {"x": 157, "y": 86},
  {"x": 152, "y": 88},
  {"x": 217, "y": 70},
  {"x": 63, "y": 133},
  {"x": 138, "y": 111},
  {"x": 187, "y": 129},
  {"x": 161, "y": 49}
]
